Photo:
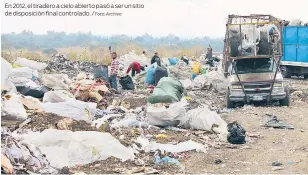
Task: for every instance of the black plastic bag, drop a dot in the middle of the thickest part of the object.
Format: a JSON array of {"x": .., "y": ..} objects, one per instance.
[
  {"x": 36, "y": 93},
  {"x": 160, "y": 72},
  {"x": 127, "y": 83},
  {"x": 237, "y": 133},
  {"x": 101, "y": 72}
]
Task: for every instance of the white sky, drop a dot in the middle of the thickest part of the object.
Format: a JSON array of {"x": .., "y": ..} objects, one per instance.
[{"x": 184, "y": 18}]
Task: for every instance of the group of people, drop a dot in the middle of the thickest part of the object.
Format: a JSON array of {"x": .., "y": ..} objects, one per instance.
[{"x": 134, "y": 67}]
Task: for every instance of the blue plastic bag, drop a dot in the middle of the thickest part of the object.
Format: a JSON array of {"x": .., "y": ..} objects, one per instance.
[
  {"x": 150, "y": 76},
  {"x": 173, "y": 61}
]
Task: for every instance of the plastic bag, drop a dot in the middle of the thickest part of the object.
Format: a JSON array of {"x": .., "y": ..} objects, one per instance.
[
  {"x": 168, "y": 90},
  {"x": 24, "y": 72},
  {"x": 33, "y": 92},
  {"x": 237, "y": 133},
  {"x": 150, "y": 75},
  {"x": 6, "y": 68},
  {"x": 173, "y": 61},
  {"x": 56, "y": 81},
  {"x": 162, "y": 116},
  {"x": 187, "y": 84},
  {"x": 127, "y": 83},
  {"x": 6, "y": 84},
  {"x": 67, "y": 148},
  {"x": 12, "y": 109},
  {"x": 204, "y": 119},
  {"x": 25, "y": 82},
  {"x": 30, "y": 64},
  {"x": 178, "y": 148},
  {"x": 101, "y": 72},
  {"x": 75, "y": 109},
  {"x": 160, "y": 72},
  {"x": 57, "y": 96}
]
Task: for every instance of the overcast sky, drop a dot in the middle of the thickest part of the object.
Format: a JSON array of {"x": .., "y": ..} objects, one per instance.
[{"x": 184, "y": 18}]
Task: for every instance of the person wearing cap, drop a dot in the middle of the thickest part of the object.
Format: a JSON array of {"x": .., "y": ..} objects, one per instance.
[
  {"x": 156, "y": 59},
  {"x": 135, "y": 68}
]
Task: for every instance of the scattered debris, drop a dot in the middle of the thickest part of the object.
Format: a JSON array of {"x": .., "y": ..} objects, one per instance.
[
  {"x": 274, "y": 122},
  {"x": 276, "y": 163}
]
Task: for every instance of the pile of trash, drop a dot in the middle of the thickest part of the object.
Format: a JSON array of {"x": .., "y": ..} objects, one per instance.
[
  {"x": 57, "y": 112},
  {"x": 60, "y": 64}
]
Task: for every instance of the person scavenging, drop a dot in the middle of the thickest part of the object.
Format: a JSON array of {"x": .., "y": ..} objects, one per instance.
[
  {"x": 135, "y": 67},
  {"x": 209, "y": 55},
  {"x": 185, "y": 59},
  {"x": 156, "y": 59},
  {"x": 272, "y": 34},
  {"x": 114, "y": 70}
]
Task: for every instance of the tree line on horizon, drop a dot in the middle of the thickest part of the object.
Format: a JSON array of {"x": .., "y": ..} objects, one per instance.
[{"x": 52, "y": 40}]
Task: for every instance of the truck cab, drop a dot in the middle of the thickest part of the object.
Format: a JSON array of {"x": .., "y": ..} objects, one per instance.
[{"x": 256, "y": 76}]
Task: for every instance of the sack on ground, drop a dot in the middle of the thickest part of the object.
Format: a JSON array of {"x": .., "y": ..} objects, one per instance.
[
  {"x": 173, "y": 61},
  {"x": 168, "y": 90},
  {"x": 127, "y": 83},
  {"x": 204, "y": 119},
  {"x": 162, "y": 116},
  {"x": 160, "y": 72},
  {"x": 150, "y": 75},
  {"x": 12, "y": 109}
]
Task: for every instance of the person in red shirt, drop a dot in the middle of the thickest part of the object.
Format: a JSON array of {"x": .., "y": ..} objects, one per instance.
[{"x": 135, "y": 67}]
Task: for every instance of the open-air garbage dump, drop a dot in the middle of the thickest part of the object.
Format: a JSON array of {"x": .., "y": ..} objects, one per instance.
[
  {"x": 54, "y": 124},
  {"x": 157, "y": 116}
]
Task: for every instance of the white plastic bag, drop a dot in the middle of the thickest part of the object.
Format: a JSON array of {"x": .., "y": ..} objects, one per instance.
[
  {"x": 12, "y": 108},
  {"x": 187, "y": 84},
  {"x": 24, "y": 72},
  {"x": 26, "y": 82},
  {"x": 56, "y": 81},
  {"x": 67, "y": 148},
  {"x": 74, "y": 109},
  {"x": 178, "y": 148},
  {"x": 57, "y": 96},
  {"x": 201, "y": 81},
  {"x": 6, "y": 84},
  {"x": 30, "y": 63},
  {"x": 205, "y": 119},
  {"x": 162, "y": 116},
  {"x": 6, "y": 68}
]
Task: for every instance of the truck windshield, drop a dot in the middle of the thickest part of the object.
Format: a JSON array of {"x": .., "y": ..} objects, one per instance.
[{"x": 255, "y": 65}]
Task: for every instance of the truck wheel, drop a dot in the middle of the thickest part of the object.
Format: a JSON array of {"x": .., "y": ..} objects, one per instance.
[
  {"x": 285, "y": 71},
  {"x": 229, "y": 103},
  {"x": 285, "y": 101},
  {"x": 305, "y": 76}
]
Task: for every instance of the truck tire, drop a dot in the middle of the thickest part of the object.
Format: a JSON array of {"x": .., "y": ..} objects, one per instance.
[
  {"x": 285, "y": 101},
  {"x": 285, "y": 71},
  {"x": 305, "y": 76},
  {"x": 229, "y": 103}
]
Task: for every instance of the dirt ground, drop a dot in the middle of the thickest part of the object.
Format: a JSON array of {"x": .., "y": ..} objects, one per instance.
[{"x": 288, "y": 147}]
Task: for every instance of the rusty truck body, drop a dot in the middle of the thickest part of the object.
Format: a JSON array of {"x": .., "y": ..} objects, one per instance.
[{"x": 252, "y": 53}]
